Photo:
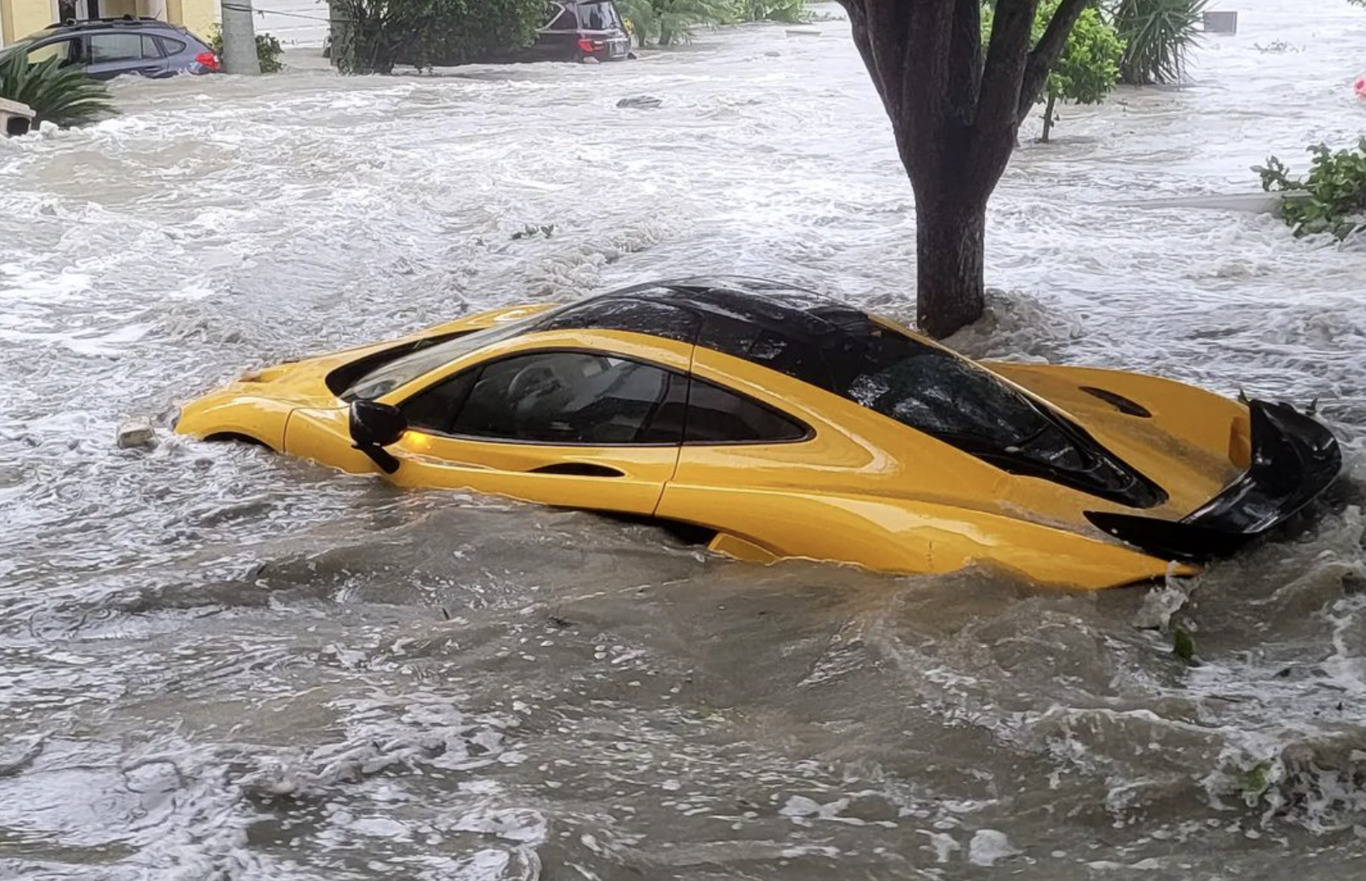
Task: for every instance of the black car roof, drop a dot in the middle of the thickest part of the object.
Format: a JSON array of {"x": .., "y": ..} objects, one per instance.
[
  {"x": 844, "y": 350},
  {"x": 104, "y": 23},
  {"x": 781, "y": 326}
]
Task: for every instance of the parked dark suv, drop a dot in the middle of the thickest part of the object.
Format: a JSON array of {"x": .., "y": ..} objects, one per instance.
[
  {"x": 108, "y": 47},
  {"x": 574, "y": 30},
  {"x": 577, "y": 30}
]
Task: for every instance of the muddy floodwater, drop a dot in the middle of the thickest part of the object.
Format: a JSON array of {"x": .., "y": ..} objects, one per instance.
[{"x": 219, "y": 663}]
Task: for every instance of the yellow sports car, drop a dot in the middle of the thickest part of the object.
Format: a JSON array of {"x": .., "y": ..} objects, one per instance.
[{"x": 785, "y": 424}]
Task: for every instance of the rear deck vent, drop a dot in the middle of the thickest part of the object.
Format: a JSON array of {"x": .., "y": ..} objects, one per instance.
[{"x": 1118, "y": 401}]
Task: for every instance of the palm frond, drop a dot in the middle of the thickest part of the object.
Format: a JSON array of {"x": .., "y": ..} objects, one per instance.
[
  {"x": 1158, "y": 35},
  {"x": 65, "y": 96}
]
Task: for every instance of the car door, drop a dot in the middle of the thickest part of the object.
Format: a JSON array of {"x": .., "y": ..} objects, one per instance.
[
  {"x": 116, "y": 52},
  {"x": 568, "y": 427}
]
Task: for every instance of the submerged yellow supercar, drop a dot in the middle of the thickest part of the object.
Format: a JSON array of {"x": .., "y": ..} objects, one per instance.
[{"x": 790, "y": 425}]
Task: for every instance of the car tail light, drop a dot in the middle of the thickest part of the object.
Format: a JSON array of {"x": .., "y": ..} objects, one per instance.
[
  {"x": 586, "y": 45},
  {"x": 207, "y": 59}
]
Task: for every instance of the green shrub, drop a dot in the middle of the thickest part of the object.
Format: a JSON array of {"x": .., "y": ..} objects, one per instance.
[
  {"x": 268, "y": 49},
  {"x": 65, "y": 96},
  {"x": 789, "y": 11},
  {"x": 1331, "y": 198},
  {"x": 669, "y": 22},
  {"x": 1088, "y": 69},
  {"x": 377, "y": 34}
]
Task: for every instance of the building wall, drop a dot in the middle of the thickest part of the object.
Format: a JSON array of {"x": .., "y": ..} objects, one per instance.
[
  {"x": 196, "y": 15},
  {"x": 19, "y": 18},
  {"x": 23, "y": 17}
]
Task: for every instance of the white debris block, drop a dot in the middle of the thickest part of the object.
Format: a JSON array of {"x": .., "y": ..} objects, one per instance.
[
  {"x": 988, "y": 846},
  {"x": 137, "y": 433}
]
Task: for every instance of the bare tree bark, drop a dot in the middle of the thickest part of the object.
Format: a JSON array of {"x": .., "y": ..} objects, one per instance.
[{"x": 955, "y": 110}]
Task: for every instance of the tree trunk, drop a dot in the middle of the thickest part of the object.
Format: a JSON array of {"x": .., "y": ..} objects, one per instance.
[
  {"x": 950, "y": 238},
  {"x": 1048, "y": 117},
  {"x": 955, "y": 108}
]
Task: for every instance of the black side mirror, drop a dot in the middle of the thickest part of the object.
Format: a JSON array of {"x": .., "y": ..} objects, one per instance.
[{"x": 373, "y": 427}]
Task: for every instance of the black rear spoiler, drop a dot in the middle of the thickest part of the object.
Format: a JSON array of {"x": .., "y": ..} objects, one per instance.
[{"x": 1294, "y": 459}]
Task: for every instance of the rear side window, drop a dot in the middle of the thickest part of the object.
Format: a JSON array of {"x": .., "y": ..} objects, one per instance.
[
  {"x": 169, "y": 46},
  {"x": 557, "y": 18},
  {"x": 718, "y": 416},
  {"x": 598, "y": 16}
]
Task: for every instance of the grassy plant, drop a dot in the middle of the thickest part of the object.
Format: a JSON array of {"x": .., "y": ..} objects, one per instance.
[
  {"x": 789, "y": 11},
  {"x": 1157, "y": 35},
  {"x": 65, "y": 96},
  {"x": 1333, "y": 193},
  {"x": 669, "y": 22}
]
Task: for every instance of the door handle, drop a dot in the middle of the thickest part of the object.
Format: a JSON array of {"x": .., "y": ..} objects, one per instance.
[{"x": 579, "y": 469}]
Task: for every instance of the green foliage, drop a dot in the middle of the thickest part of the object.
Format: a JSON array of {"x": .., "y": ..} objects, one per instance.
[
  {"x": 668, "y": 22},
  {"x": 1157, "y": 36},
  {"x": 1088, "y": 69},
  {"x": 789, "y": 11},
  {"x": 1257, "y": 780},
  {"x": 379, "y": 33},
  {"x": 268, "y": 49},
  {"x": 1183, "y": 646},
  {"x": 65, "y": 96},
  {"x": 1332, "y": 198}
]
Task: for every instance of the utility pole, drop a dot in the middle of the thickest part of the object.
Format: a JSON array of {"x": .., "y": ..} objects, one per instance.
[{"x": 239, "y": 39}]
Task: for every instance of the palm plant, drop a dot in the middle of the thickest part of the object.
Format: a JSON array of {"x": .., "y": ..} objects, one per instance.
[
  {"x": 1157, "y": 36},
  {"x": 65, "y": 96},
  {"x": 790, "y": 11},
  {"x": 640, "y": 19},
  {"x": 672, "y": 21}
]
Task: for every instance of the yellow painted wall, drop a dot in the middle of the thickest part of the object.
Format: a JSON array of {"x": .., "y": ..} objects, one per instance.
[
  {"x": 196, "y": 16},
  {"x": 22, "y": 17}
]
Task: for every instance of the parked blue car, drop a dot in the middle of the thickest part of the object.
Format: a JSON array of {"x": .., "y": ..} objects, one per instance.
[{"x": 109, "y": 47}]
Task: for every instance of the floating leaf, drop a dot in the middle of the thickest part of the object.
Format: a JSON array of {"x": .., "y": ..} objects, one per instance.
[{"x": 1183, "y": 646}]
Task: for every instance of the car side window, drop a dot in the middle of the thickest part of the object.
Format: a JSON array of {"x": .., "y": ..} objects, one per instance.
[
  {"x": 435, "y": 408},
  {"x": 68, "y": 51},
  {"x": 118, "y": 47},
  {"x": 169, "y": 46},
  {"x": 718, "y": 416},
  {"x": 556, "y": 398},
  {"x": 557, "y": 18}
]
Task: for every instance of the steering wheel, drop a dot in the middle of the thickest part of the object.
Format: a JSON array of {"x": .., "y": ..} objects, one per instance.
[{"x": 529, "y": 389}]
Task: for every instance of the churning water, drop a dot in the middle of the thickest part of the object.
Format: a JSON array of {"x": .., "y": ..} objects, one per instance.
[{"x": 218, "y": 663}]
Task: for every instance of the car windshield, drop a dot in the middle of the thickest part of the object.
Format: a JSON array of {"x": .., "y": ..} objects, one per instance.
[
  {"x": 390, "y": 375},
  {"x": 598, "y": 16}
]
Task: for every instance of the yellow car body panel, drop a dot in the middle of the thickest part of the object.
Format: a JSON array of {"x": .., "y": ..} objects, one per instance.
[
  {"x": 257, "y": 405},
  {"x": 860, "y": 488}
]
